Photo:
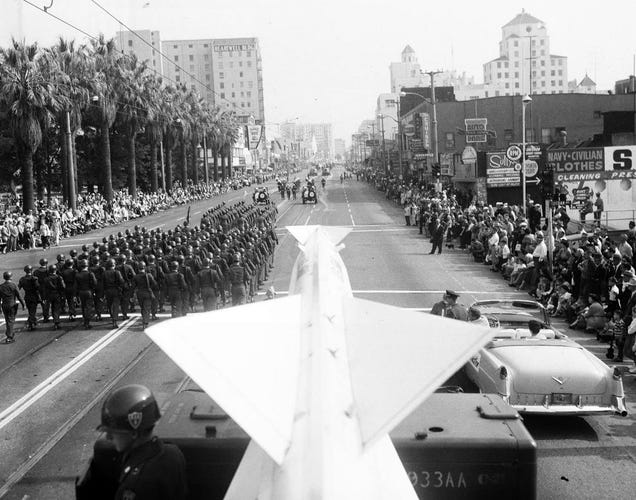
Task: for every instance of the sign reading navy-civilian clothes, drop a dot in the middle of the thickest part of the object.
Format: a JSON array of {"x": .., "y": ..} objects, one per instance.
[
  {"x": 501, "y": 171},
  {"x": 581, "y": 164}
]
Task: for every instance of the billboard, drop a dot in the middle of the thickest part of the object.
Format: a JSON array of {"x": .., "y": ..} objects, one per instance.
[
  {"x": 501, "y": 171},
  {"x": 576, "y": 164}
]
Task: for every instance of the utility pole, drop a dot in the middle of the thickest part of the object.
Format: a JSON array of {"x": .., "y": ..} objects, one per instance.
[
  {"x": 399, "y": 131},
  {"x": 433, "y": 101},
  {"x": 384, "y": 164},
  {"x": 72, "y": 199}
]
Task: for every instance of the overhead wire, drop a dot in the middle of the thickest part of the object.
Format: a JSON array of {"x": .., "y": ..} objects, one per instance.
[
  {"x": 193, "y": 77},
  {"x": 163, "y": 77}
]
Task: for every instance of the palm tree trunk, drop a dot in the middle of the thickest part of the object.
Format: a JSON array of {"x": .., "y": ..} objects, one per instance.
[
  {"x": 132, "y": 169},
  {"x": 168, "y": 168},
  {"x": 75, "y": 169},
  {"x": 63, "y": 165},
  {"x": 215, "y": 163},
  {"x": 184, "y": 164},
  {"x": 27, "y": 180},
  {"x": 108, "y": 176},
  {"x": 154, "y": 148},
  {"x": 194, "y": 163},
  {"x": 223, "y": 165}
]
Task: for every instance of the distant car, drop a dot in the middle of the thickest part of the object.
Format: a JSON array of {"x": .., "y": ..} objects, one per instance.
[
  {"x": 326, "y": 172},
  {"x": 554, "y": 376},
  {"x": 261, "y": 196},
  {"x": 309, "y": 194}
]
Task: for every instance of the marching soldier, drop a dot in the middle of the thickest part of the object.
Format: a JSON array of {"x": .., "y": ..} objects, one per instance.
[
  {"x": 68, "y": 275},
  {"x": 208, "y": 283},
  {"x": 157, "y": 273},
  {"x": 176, "y": 288},
  {"x": 127, "y": 273},
  {"x": 144, "y": 284},
  {"x": 41, "y": 273},
  {"x": 113, "y": 283},
  {"x": 85, "y": 283},
  {"x": 239, "y": 280},
  {"x": 31, "y": 287},
  {"x": 10, "y": 297},
  {"x": 98, "y": 295},
  {"x": 54, "y": 285}
]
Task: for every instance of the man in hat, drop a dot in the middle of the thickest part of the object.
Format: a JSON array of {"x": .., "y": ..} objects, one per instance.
[
  {"x": 9, "y": 296},
  {"x": 449, "y": 307}
]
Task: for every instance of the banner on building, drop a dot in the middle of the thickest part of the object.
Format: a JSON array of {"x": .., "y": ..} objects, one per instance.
[{"x": 253, "y": 136}]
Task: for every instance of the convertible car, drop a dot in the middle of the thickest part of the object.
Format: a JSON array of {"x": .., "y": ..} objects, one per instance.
[{"x": 549, "y": 375}]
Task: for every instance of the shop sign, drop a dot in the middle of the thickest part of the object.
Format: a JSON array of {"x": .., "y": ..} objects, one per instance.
[
  {"x": 476, "y": 129},
  {"x": 446, "y": 164},
  {"x": 576, "y": 164},
  {"x": 426, "y": 130},
  {"x": 620, "y": 158},
  {"x": 469, "y": 155},
  {"x": 500, "y": 171}
]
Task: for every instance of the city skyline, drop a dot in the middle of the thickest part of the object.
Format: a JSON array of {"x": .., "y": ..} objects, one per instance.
[{"x": 328, "y": 63}]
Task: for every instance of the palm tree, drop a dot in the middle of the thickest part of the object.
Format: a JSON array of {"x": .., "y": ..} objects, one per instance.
[
  {"x": 156, "y": 123},
  {"x": 198, "y": 122},
  {"x": 27, "y": 95},
  {"x": 70, "y": 72},
  {"x": 130, "y": 86},
  {"x": 229, "y": 136},
  {"x": 106, "y": 60},
  {"x": 170, "y": 132}
]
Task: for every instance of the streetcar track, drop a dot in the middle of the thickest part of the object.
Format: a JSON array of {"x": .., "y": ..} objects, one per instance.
[
  {"x": 31, "y": 397},
  {"x": 58, "y": 435}
]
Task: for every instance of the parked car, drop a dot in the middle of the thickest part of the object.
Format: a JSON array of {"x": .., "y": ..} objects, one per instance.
[{"x": 552, "y": 375}]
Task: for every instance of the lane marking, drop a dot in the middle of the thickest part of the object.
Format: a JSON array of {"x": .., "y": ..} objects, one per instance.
[
  {"x": 157, "y": 227},
  {"x": 503, "y": 295},
  {"x": 57, "y": 436},
  {"x": 30, "y": 398}
]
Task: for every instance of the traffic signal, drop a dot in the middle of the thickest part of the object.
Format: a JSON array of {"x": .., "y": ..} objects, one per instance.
[
  {"x": 436, "y": 169},
  {"x": 547, "y": 183}
]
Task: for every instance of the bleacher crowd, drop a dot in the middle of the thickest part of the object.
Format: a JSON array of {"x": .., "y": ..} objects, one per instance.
[{"x": 49, "y": 224}]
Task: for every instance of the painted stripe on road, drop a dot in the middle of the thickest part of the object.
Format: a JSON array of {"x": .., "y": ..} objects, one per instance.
[{"x": 26, "y": 401}]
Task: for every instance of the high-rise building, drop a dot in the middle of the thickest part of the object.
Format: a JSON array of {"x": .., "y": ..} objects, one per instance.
[
  {"x": 128, "y": 42},
  {"x": 227, "y": 72},
  {"x": 339, "y": 148},
  {"x": 525, "y": 65},
  {"x": 407, "y": 72},
  {"x": 310, "y": 134}
]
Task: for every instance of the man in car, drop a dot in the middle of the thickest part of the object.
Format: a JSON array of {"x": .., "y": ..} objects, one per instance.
[
  {"x": 535, "y": 329},
  {"x": 449, "y": 307}
]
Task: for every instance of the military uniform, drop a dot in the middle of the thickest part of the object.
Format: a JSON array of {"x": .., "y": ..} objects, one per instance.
[
  {"x": 10, "y": 297},
  {"x": 31, "y": 286},
  {"x": 54, "y": 285},
  {"x": 68, "y": 275},
  {"x": 41, "y": 273},
  {"x": 127, "y": 273},
  {"x": 113, "y": 283},
  {"x": 208, "y": 282},
  {"x": 144, "y": 284},
  {"x": 85, "y": 283},
  {"x": 176, "y": 288},
  {"x": 238, "y": 279}
]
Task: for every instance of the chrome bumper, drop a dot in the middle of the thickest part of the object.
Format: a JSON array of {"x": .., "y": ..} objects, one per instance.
[{"x": 617, "y": 407}]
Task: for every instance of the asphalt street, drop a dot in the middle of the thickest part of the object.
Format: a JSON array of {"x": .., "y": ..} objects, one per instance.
[{"x": 52, "y": 383}]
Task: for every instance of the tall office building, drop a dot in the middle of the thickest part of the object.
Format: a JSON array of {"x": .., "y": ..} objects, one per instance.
[
  {"x": 128, "y": 42},
  {"x": 310, "y": 135},
  {"x": 227, "y": 72},
  {"x": 525, "y": 65}
]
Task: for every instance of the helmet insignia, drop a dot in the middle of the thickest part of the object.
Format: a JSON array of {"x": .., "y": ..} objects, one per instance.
[{"x": 134, "y": 419}]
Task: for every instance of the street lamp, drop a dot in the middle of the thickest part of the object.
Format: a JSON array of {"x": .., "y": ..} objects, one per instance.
[{"x": 525, "y": 101}]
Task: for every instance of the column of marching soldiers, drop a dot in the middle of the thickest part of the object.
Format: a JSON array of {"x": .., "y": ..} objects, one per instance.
[{"x": 224, "y": 259}]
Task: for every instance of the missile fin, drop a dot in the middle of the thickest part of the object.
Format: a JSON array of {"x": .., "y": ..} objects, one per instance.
[
  {"x": 249, "y": 366},
  {"x": 398, "y": 358},
  {"x": 335, "y": 233}
]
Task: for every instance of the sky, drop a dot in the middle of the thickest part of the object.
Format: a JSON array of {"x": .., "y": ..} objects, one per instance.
[{"x": 327, "y": 60}]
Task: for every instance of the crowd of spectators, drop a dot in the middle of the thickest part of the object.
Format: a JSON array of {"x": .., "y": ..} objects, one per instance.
[
  {"x": 583, "y": 276},
  {"x": 48, "y": 224}
]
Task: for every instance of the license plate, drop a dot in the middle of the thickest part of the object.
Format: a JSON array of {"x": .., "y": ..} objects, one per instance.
[{"x": 561, "y": 399}]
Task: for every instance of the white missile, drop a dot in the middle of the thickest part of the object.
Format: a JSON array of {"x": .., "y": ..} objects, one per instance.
[{"x": 319, "y": 378}]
